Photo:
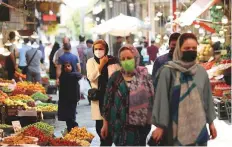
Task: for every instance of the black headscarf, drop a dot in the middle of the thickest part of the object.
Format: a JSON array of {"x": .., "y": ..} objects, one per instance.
[{"x": 55, "y": 47}]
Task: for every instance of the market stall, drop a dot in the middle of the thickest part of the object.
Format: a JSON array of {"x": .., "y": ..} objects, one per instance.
[
  {"x": 28, "y": 104},
  {"x": 221, "y": 88}
]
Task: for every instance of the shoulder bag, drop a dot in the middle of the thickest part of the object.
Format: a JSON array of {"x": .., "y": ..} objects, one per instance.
[{"x": 25, "y": 69}]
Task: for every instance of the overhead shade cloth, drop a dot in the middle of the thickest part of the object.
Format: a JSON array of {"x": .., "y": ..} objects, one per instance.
[{"x": 121, "y": 25}]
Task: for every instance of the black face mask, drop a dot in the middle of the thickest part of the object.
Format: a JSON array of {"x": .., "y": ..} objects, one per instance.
[{"x": 189, "y": 56}]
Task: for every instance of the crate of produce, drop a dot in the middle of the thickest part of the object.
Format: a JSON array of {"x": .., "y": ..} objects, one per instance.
[
  {"x": 49, "y": 115},
  {"x": 220, "y": 109},
  {"x": 13, "y": 110},
  {"x": 52, "y": 89},
  {"x": 2, "y": 113}
]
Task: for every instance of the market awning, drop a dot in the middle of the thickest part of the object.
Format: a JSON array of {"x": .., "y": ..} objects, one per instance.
[
  {"x": 52, "y": 1},
  {"x": 195, "y": 10}
]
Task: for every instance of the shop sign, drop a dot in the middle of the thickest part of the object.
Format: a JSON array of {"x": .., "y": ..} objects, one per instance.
[{"x": 47, "y": 17}]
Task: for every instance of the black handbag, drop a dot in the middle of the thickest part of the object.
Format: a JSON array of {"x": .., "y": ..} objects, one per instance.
[
  {"x": 25, "y": 69},
  {"x": 93, "y": 94},
  {"x": 152, "y": 142}
]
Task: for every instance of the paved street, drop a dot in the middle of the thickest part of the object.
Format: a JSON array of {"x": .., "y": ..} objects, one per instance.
[{"x": 224, "y": 129}]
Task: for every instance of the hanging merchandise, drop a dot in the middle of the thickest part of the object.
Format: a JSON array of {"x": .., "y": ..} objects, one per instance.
[
  {"x": 216, "y": 16},
  {"x": 52, "y": 29}
]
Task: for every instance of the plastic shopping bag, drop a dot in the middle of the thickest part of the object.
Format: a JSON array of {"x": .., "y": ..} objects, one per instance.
[{"x": 84, "y": 86}]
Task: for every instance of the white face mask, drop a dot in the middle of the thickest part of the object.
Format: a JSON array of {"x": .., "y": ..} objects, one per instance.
[{"x": 99, "y": 53}]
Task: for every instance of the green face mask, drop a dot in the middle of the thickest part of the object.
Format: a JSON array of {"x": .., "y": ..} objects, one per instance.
[{"x": 128, "y": 65}]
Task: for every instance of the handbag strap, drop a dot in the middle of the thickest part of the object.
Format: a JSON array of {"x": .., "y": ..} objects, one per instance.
[{"x": 32, "y": 58}]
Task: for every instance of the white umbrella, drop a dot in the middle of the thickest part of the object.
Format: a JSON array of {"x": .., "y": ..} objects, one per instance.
[{"x": 121, "y": 25}]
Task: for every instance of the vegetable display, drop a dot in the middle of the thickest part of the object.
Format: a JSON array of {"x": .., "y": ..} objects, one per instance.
[
  {"x": 47, "y": 107},
  {"x": 35, "y": 132},
  {"x": 40, "y": 96},
  {"x": 3, "y": 126},
  {"x": 62, "y": 142},
  {"x": 44, "y": 127}
]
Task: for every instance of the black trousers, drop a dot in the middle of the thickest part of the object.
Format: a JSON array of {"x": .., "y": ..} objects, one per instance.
[
  {"x": 104, "y": 142},
  {"x": 71, "y": 124}
]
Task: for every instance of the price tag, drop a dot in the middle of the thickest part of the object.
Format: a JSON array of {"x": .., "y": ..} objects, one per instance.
[{"x": 16, "y": 126}]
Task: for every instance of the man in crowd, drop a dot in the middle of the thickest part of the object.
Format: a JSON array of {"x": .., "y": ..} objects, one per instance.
[
  {"x": 60, "y": 52},
  {"x": 22, "y": 54},
  {"x": 89, "y": 52},
  {"x": 152, "y": 51},
  {"x": 82, "y": 48},
  {"x": 117, "y": 45},
  {"x": 167, "y": 57},
  {"x": 128, "y": 40},
  {"x": 33, "y": 57},
  {"x": 67, "y": 57}
]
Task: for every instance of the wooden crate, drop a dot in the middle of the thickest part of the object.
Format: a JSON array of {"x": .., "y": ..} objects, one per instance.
[{"x": 13, "y": 110}]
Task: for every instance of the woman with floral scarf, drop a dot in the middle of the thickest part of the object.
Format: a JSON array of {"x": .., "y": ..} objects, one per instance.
[
  {"x": 183, "y": 102},
  {"x": 128, "y": 101}
]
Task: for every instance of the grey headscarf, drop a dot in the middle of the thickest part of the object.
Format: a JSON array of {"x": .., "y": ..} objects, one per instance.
[{"x": 177, "y": 63}]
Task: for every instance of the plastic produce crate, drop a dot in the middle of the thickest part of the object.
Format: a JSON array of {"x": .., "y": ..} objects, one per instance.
[{"x": 220, "y": 109}]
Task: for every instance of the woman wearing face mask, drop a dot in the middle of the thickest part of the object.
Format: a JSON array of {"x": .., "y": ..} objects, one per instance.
[
  {"x": 128, "y": 101},
  {"x": 99, "y": 69},
  {"x": 183, "y": 102}
]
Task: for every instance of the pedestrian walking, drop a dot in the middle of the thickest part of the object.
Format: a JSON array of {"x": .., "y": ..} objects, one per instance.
[
  {"x": 152, "y": 51},
  {"x": 52, "y": 67},
  {"x": 22, "y": 54},
  {"x": 99, "y": 69},
  {"x": 128, "y": 101},
  {"x": 33, "y": 57},
  {"x": 66, "y": 57},
  {"x": 183, "y": 102},
  {"x": 89, "y": 51},
  {"x": 82, "y": 51},
  {"x": 69, "y": 95},
  {"x": 160, "y": 61}
]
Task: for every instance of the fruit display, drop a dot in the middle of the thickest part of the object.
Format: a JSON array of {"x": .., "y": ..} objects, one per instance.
[
  {"x": 10, "y": 102},
  {"x": 220, "y": 88},
  {"x": 35, "y": 132},
  {"x": 19, "y": 90},
  {"x": 40, "y": 96},
  {"x": 3, "y": 126},
  {"x": 218, "y": 69},
  {"x": 227, "y": 94},
  {"x": 204, "y": 52},
  {"x": 6, "y": 89},
  {"x": 47, "y": 107},
  {"x": 19, "y": 140},
  {"x": 3, "y": 96},
  {"x": 30, "y": 88},
  {"x": 79, "y": 135},
  {"x": 31, "y": 104},
  {"x": 62, "y": 142},
  {"x": 47, "y": 129},
  {"x": 21, "y": 97},
  {"x": 6, "y": 81},
  {"x": 19, "y": 75}
]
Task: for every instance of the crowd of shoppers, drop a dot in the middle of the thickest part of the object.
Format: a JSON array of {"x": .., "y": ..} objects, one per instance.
[{"x": 125, "y": 100}]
